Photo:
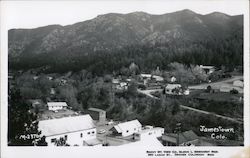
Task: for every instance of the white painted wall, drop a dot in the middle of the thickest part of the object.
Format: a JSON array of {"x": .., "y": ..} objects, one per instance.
[
  {"x": 153, "y": 133},
  {"x": 53, "y": 108},
  {"x": 131, "y": 131},
  {"x": 74, "y": 138}
]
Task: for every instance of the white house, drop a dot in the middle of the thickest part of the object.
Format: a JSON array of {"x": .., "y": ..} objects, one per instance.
[
  {"x": 127, "y": 128},
  {"x": 144, "y": 76},
  {"x": 57, "y": 105},
  {"x": 207, "y": 69},
  {"x": 52, "y": 91},
  {"x": 176, "y": 89},
  {"x": 158, "y": 78},
  {"x": 238, "y": 83},
  {"x": 173, "y": 79},
  {"x": 77, "y": 131},
  {"x": 149, "y": 133},
  {"x": 49, "y": 78},
  {"x": 170, "y": 88}
]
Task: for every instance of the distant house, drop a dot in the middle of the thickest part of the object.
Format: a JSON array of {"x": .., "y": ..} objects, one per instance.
[
  {"x": 176, "y": 89},
  {"x": 148, "y": 133},
  {"x": 76, "y": 131},
  {"x": 115, "y": 81},
  {"x": 238, "y": 83},
  {"x": 98, "y": 114},
  {"x": 119, "y": 84},
  {"x": 158, "y": 78},
  {"x": 146, "y": 76},
  {"x": 186, "y": 138},
  {"x": 207, "y": 69},
  {"x": 170, "y": 88},
  {"x": 57, "y": 105},
  {"x": 172, "y": 79},
  {"x": 49, "y": 78},
  {"x": 52, "y": 91},
  {"x": 152, "y": 77},
  {"x": 63, "y": 81},
  {"x": 36, "y": 102},
  {"x": 35, "y": 77},
  {"x": 127, "y": 128}
]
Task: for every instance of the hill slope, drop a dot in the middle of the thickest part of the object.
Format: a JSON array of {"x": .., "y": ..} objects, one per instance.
[{"x": 111, "y": 32}]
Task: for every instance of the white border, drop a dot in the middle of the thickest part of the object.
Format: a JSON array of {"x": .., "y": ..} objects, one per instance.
[{"x": 138, "y": 152}]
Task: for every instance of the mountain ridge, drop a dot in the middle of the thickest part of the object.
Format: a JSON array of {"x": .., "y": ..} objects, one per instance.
[{"x": 114, "y": 31}]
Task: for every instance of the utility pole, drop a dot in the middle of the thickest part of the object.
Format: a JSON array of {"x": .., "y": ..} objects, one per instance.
[{"x": 178, "y": 130}]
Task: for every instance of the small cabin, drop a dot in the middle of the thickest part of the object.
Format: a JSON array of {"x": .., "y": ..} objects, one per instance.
[{"x": 54, "y": 106}]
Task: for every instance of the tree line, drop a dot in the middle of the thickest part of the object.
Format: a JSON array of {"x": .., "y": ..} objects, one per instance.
[{"x": 218, "y": 52}]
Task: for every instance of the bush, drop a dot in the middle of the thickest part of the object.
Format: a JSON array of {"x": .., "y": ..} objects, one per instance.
[
  {"x": 234, "y": 91},
  {"x": 209, "y": 89}
]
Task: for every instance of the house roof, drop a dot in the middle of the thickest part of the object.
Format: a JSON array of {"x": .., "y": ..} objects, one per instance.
[
  {"x": 173, "y": 86},
  {"x": 206, "y": 67},
  {"x": 183, "y": 137},
  {"x": 115, "y": 80},
  {"x": 238, "y": 83},
  {"x": 151, "y": 129},
  {"x": 159, "y": 78},
  {"x": 96, "y": 109},
  {"x": 146, "y": 75},
  {"x": 127, "y": 126},
  {"x": 65, "y": 125},
  {"x": 57, "y": 104}
]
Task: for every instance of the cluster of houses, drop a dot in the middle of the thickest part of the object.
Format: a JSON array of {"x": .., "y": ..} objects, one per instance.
[
  {"x": 149, "y": 81},
  {"x": 84, "y": 130}
]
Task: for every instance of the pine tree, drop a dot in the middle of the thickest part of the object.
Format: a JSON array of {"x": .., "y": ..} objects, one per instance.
[{"x": 22, "y": 122}]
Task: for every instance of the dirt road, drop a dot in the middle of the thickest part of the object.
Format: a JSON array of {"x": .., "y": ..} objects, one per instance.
[
  {"x": 147, "y": 92},
  {"x": 219, "y": 84},
  {"x": 210, "y": 113}
]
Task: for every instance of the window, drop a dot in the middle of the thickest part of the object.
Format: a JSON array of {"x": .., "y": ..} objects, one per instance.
[
  {"x": 81, "y": 135},
  {"x": 93, "y": 132},
  {"x": 53, "y": 140},
  {"x": 127, "y": 131},
  {"x": 134, "y": 129},
  {"x": 65, "y": 137},
  {"x": 88, "y": 132}
]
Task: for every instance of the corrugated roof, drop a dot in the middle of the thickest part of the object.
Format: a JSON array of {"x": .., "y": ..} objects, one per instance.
[
  {"x": 65, "y": 125},
  {"x": 57, "y": 104},
  {"x": 127, "y": 126}
]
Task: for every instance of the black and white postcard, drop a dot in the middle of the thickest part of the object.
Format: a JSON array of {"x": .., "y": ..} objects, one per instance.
[{"x": 125, "y": 79}]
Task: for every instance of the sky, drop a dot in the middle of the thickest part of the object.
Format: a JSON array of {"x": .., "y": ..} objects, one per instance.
[{"x": 32, "y": 14}]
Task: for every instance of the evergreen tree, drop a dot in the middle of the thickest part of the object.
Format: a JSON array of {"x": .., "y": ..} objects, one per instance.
[{"x": 22, "y": 122}]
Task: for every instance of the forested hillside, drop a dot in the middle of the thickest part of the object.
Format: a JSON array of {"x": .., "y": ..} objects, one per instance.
[{"x": 112, "y": 41}]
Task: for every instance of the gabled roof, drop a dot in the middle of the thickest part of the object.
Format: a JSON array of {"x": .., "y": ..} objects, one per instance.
[
  {"x": 158, "y": 77},
  {"x": 183, "y": 137},
  {"x": 96, "y": 109},
  {"x": 65, "y": 125},
  {"x": 151, "y": 129},
  {"x": 173, "y": 86},
  {"x": 121, "y": 127},
  {"x": 146, "y": 75},
  {"x": 57, "y": 104},
  {"x": 206, "y": 67}
]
